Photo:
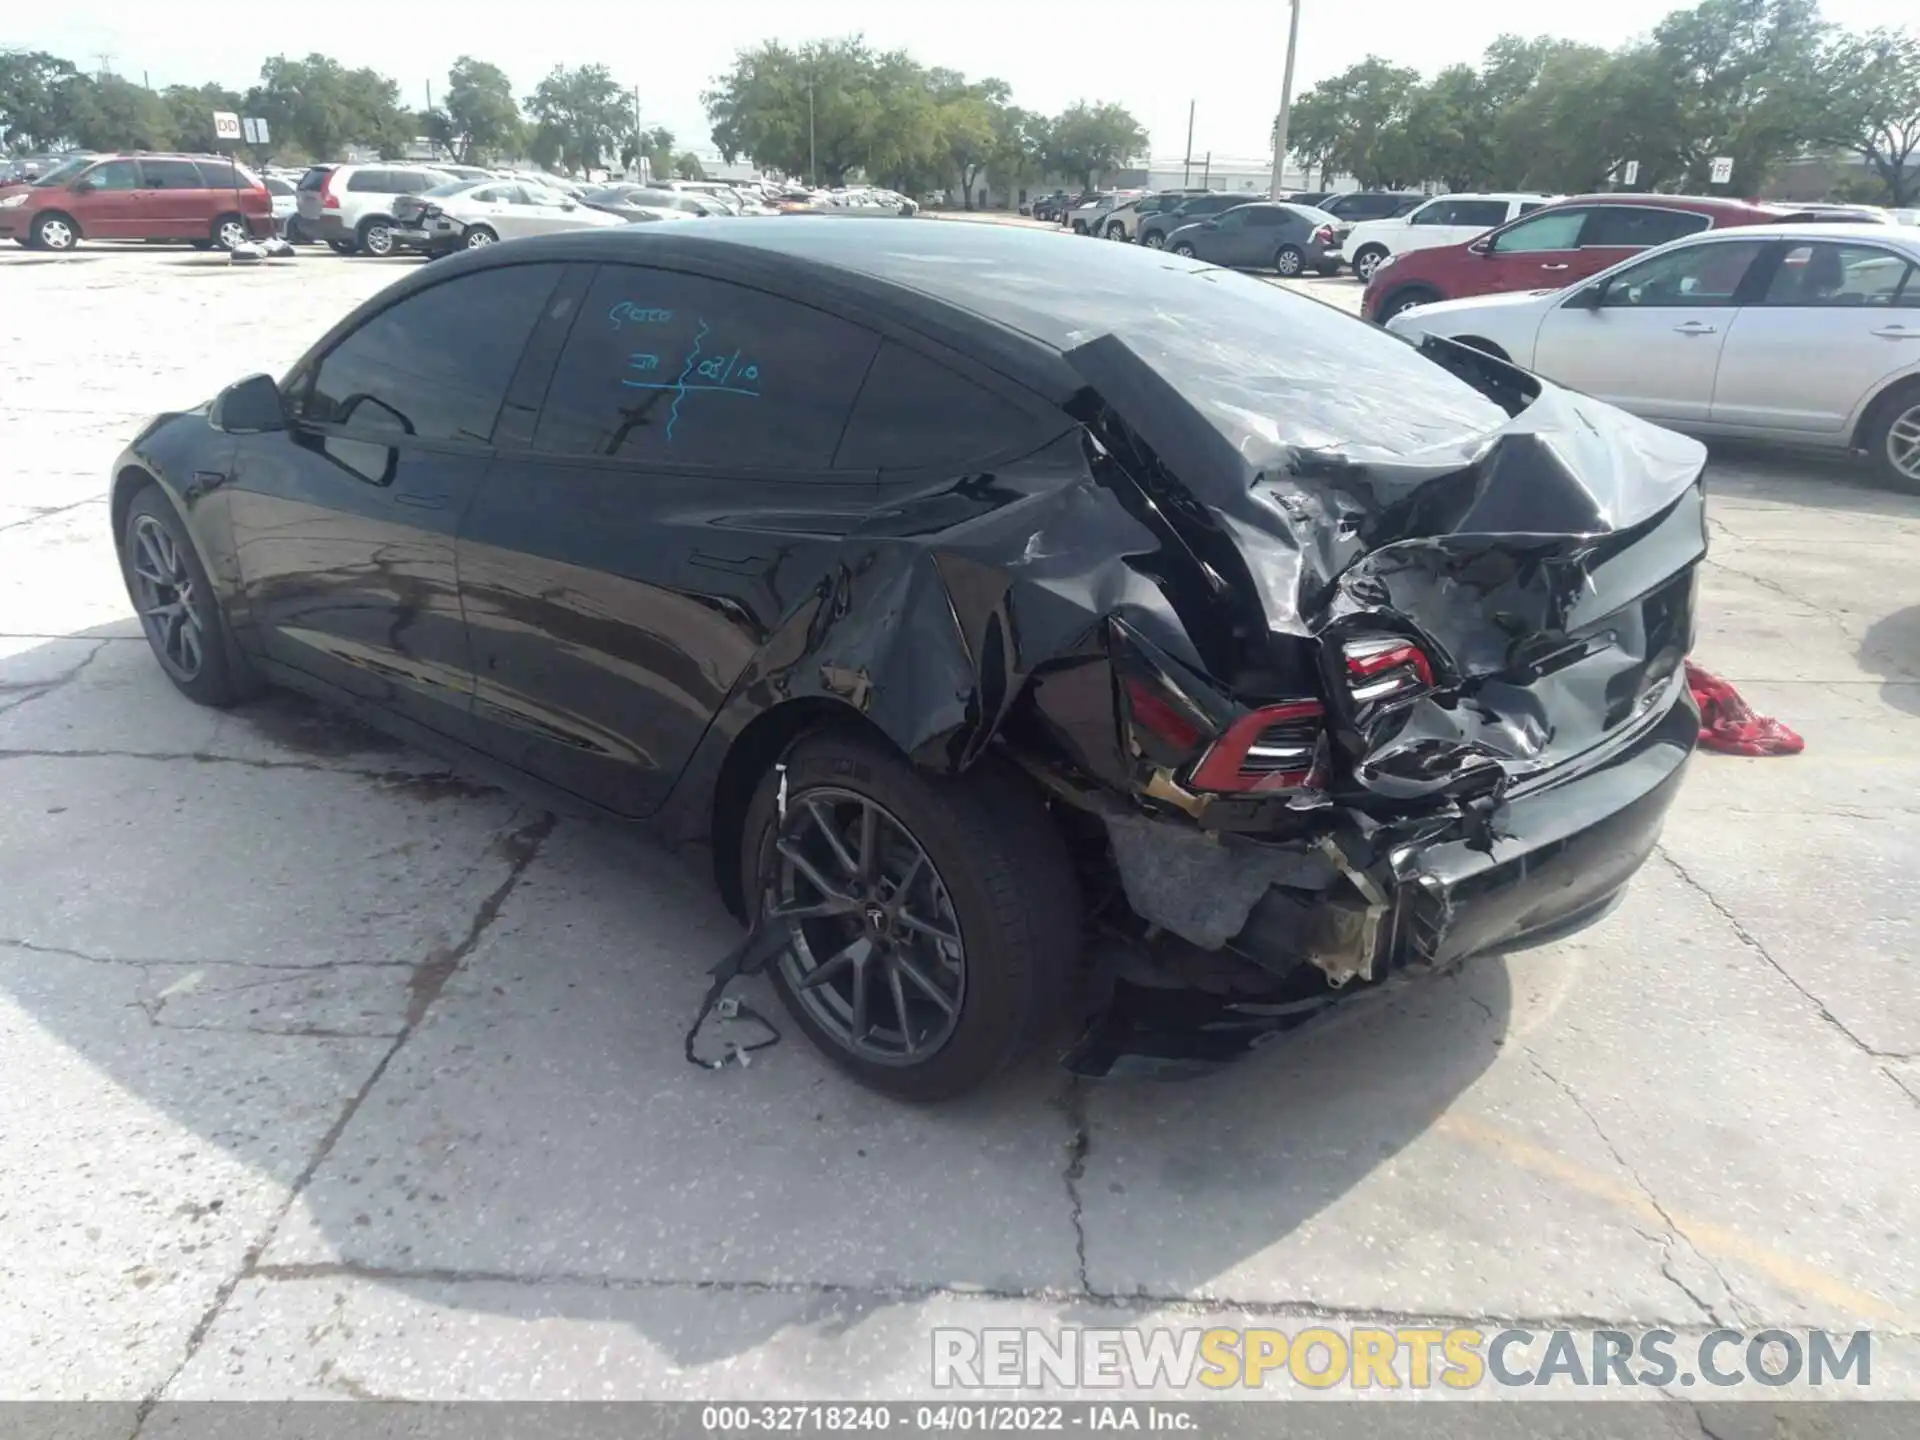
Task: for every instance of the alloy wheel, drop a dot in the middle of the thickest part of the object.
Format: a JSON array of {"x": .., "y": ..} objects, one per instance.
[
  {"x": 232, "y": 233},
  {"x": 1903, "y": 443},
  {"x": 1156, "y": 241},
  {"x": 478, "y": 238},
  {"x": 1365, "y": 265},
  {"x": 1288, "y": 261},
  {"x": 379, "y": 240},
  {"x": 163, "y": 594},
  {"x": 877, "y": 960},
  {"x": 1183, "y": 249}
]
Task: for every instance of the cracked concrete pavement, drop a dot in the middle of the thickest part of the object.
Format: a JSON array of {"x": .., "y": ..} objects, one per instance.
[{"x": 334, "y": 1072}]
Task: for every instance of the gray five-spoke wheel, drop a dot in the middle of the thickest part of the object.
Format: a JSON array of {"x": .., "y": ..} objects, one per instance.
[
  {"x": 56, "y": 235},
  {"x": 877, "y": 958},
  {"x": 163, "y": 593},
  {"x": 1903, "y": 443},
  {"x": 378, "y": 240},
  {"x": 233, "y": 233}
]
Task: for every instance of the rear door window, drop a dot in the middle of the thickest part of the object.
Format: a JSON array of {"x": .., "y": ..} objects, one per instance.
[
  {"x": 682, "y": 371},
  {"x": 1639, "y": 226},
  {"x": 170, "y": 175},
  {"x": 1834, "y": 276},
  {"x": 1482, "y": 214},
  {"x": 917, "y": 414},
  {"x": 377, "y": 182}
]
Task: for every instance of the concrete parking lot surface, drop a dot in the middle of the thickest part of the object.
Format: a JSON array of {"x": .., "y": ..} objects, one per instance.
[{"x": 330, "y": 1071}]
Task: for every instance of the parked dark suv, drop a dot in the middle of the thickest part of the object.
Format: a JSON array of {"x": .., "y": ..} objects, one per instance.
[
  {"x": 204, "y": 200},
  {"x": 1154, "y": 229},
  {"x": 1357, "y": 205}
]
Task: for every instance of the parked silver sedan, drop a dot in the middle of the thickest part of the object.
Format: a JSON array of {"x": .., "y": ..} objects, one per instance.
[
  {"x": 1797, "y": 333},
  {"x": 467, "y": 214}
]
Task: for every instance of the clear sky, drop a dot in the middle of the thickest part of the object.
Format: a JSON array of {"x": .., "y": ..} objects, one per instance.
[{"x": 1153, "y": 58}]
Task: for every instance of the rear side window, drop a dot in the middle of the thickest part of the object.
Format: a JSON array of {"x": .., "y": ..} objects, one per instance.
[
  {"x": 1484, "y": 214},
  {"x": 434, "y": 366},
  {"x": 315, "y": 178},
  {"x": 916, "y": 414},
  {"x": 277, "y": 186},
  {"x": 170, "y": 175},
  {"x": 681, "y": 370},
  {"x": 219, "y": 175},
  {"x": 1840, "y": 276},
  {"x": 376, "y": 181},
  {"x": 412, "y": 182},
  {"x": 1640, "y": 226}
]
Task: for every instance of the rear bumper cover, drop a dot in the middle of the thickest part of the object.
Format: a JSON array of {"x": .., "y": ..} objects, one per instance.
[{"x": 1543, "y": 864}]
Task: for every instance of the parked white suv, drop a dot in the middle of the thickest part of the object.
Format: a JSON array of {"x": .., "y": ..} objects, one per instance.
[
  {"x": 1443, "y": 220},
  {"x": 351, "y": 206}
]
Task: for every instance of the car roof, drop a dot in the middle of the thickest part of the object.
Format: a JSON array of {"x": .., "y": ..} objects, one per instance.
[{"x": 1705, "y": 204}]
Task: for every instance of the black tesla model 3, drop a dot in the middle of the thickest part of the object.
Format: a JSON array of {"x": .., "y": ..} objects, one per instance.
[{"x": 992, "y": 606}]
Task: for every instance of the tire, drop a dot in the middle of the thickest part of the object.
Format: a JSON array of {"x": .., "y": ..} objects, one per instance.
[
  {"x": 1184, "y": 248},
  {"x": 212, "y": 678},
  {"x": 1366, "y": 258},
  {"x": 995, "y": 871},
  {"x": 1079, "y": 227},
  {"x": 1290, "y": 261},
  {"x": 1154, "y": 240},
  {"x": 229, "y": 231},
  {"x": 1402, "y": 299},
  {"x": 1891, "y": 437},
  {"x": 1326, "y": 271},
  {"x": 1117, "y": 231},
  {"x": 375, "y": 237},
  {"x": 55, "y": 231},
  {"x": 342, "y": 247},
  {"x": 479, "y": 237}
]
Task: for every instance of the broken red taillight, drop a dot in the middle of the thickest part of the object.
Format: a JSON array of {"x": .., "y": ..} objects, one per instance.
[
  {"x": 1276, "y": 747},
  {"x": 1156, "y": 713},
  {"x": 1386, "y": 667}
]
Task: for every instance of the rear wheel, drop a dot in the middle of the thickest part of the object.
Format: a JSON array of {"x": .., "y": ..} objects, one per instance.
[
  {"x": 1154, "y": 240},
  {"x": 376, "y": 237},
  {"x": 479, "y": 236},
  {"x": 934, "y": 921},
  {"x": 1184, "y": 248},
  {"x": 55, "y": 232},
  {"x": 342, "y": 247},
  {"x": 230, "y": 232},
  {"x": 1405, "y": 298},
  {"x": 1892, "y": 436},
  {"x": 1117, "y": 231},
  {"x": 1289, "y": 260},
  {"x": 1367, "y": 260}
]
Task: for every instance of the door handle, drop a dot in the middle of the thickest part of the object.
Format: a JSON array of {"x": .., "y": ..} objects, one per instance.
[
  {"x": 1694, "y": 327},
  {"x": 1897, "y": 332},
  {"x": 1553, "y": 267}
]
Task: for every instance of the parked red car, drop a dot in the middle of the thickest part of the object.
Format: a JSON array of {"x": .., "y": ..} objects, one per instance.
[
  {"x": 204, "y": 200},
  {"x": 1553, "y": 246}
]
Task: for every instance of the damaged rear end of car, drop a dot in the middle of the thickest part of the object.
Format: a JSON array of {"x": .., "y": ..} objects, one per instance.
[{"x": 1431, "y": 702}]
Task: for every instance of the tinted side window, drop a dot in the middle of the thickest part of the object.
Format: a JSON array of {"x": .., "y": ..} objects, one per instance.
[
  {"x": 1265, "y": 219},
  {"x": 1839, "y": 276},
  {"x": 114, "y": 175},
  {"x": 436, "y": 365},
  {"x": 219, "y": 175},
  {"x": 411, "y": 182},
  {"x": 170, "y": 175},
  {"x": 315, "y": 178},
  {"x": 1484, "y": 213},
  {"x": 374, "y": 180},
  {"x": 916, "y": 414},
  {"x": 683, "y": 370},
  {"x": 1639, "y": 225},
  {"x": 1440, "y": 212}
]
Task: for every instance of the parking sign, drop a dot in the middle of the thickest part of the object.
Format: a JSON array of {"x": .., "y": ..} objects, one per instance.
[
  {"x": 256, "y": 130},
  {"x": 226, "y": 125},
  {"x": 1722, "y": 169},
  {"x": 1631, "y": 173}
]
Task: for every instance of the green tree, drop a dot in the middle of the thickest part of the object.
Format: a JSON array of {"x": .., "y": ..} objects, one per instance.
[
  {"x": 657, "y": 144},
  {"x": 1450, "y": 123},
  {"x": 1314, "y": 129},
  {"x": 190, "y": 110},
  {"x": 36, "y": 99},
  {"x": 1873, "y": 81},
  {"x": 114, "y": 114},
  {"x": 687, "y": 166},
  {"x": 320, "y": 106},
  {"x": 1373, "y": 100},
  {"x": 580, "y": 117},
  {"x": 969, "y": 121},
  {"x": 1091, "y": 140},
  {"x": 480, "y": 116},
  {"x": 830, "y": 105}
]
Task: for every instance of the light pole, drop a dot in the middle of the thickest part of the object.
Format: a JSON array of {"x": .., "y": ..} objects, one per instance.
[
  {"x": 813, "y": 157},
  {"x": 1278, "y": 187}
]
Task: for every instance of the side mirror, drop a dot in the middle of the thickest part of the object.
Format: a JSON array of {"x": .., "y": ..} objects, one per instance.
[
  {"x": 249, "y": 407},
  {"x": 1480, "y": 247},
  {"x": 84, "y": 187},
  {"x": 1209, "y": 224},
  {"x": 1588, "y": 298}
]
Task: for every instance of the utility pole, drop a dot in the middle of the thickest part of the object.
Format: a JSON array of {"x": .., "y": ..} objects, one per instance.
[
  {"x": 1279, "y": 185},
  {"x": 644, "y": 175},
  {"x": 1186, "y": 177},
  {"x": 813, "y": 155}
]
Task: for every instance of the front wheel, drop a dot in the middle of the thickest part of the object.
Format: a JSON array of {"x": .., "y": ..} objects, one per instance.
[
  {"x": 1405, "y": 299},
  {"x": 1892, "y": 436},
  {"x": 55, "y": 232},
  {"x": 1184, "y": 248},
  {"x": 342, "y": 247},
  {"x": 1117, "y": 231},
  {"x": 934, "y": 922},
  {"x": 176, "y": 604},
  {"x": 1154, "y": 240},
  {"x": 478, "y": 237},
  {"x": 1367, "y": 260},
  {"x": 1289, "y": 260}
]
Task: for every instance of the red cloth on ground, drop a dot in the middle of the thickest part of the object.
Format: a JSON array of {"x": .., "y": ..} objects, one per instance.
[{"x": 1728, "y": 724}]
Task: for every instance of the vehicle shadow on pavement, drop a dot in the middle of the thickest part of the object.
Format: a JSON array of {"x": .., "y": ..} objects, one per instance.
[
  {"x": 1816, "y": 479},
  {"x": 451, "y": 1026},
  {"x": 1891, "y": 649}
]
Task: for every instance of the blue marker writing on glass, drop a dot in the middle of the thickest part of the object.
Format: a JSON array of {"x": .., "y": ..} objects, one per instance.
[{"x": 628, "y": 313}]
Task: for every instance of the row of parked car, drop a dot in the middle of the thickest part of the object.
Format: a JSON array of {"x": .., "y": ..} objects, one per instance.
[{"x": 372, "y": 209}]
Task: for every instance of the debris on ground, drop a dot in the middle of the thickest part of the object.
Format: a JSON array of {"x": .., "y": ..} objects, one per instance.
[{"x": 1729, "y": 725}]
